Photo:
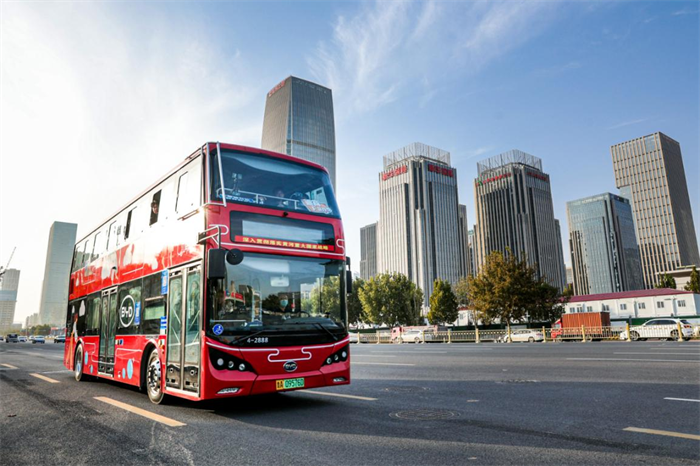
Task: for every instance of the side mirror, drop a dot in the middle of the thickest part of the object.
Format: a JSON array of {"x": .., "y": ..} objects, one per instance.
[
  {"x": 234, "y": 256},
  {"x": 348, "y": 281},
  {"x": 216, "y": 265}
]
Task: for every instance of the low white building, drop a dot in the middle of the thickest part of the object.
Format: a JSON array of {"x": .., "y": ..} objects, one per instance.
[{"x": 663, "y": 302}]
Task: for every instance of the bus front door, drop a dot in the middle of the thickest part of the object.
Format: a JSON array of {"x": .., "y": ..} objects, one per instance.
[
  {"x": 184, "y": 330},
  {"x": 108, "y": 329}
]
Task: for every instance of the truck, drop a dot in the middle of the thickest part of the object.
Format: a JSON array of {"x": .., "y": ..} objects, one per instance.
[{"x": 571, "y": 326}]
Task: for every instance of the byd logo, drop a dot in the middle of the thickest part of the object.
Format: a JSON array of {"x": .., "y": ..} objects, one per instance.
[{"x": 290, "y": 366}]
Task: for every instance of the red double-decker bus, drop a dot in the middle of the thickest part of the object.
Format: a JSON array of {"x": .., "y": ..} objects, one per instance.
[{"x": 227, "y": 277}]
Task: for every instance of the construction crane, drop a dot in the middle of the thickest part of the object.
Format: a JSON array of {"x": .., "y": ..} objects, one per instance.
[{"x": 4, "y": 269}]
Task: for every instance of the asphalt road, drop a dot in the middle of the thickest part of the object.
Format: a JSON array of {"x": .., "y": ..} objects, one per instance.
[{"x": 434, "y": 404}]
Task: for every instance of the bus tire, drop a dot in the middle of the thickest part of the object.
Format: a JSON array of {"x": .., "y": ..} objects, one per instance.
[
  {"x": 144, "y": 367},
  {"x": 78, "y": 366},
  {"x": 154, "y": 378}
]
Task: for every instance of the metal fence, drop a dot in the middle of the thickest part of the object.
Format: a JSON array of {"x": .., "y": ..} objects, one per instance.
[{"x": 533, "y": 335}]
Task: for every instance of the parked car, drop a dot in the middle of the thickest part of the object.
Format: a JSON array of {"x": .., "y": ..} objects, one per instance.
[
  {"x": 528, "y": 335},
  {"x": 659, "y": 328},
  {"x": 357, "y": 338},
  {"x": 415, "y": 336},
  {"x": 22, "y": 339},
  {"x": 37, "y": 339},
  {"x": 59, "y": 339}
]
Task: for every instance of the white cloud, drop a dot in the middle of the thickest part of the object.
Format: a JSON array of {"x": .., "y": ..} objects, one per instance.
[
  {"x": 95, "y": 107},
  {"x": 627, "y": 123},
  {"x": 388, "y": 48}
]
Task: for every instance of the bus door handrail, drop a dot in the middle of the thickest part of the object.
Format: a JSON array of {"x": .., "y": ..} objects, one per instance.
[{"x": 203, "y": 236}]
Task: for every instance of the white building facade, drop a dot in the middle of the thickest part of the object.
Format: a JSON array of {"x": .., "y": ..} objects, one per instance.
[
  {"x": 664, "y": 302},
  {"x": 418, "y": 233}
]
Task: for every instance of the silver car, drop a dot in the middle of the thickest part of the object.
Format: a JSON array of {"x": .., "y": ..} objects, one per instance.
[
  {"x": 659, "y": 328},
  {"x": 523, "y": 335}
]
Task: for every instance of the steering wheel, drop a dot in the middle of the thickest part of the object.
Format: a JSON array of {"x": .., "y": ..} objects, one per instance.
[{"x": 297, "y": 196}]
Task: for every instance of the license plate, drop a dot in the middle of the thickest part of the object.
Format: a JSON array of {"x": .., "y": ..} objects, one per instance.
[{"x": 287, "y": 384}]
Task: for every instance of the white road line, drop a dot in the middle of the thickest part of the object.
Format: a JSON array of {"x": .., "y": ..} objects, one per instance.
[
  {"x": 9, "y": 366},
  {"x": 372, "y": 356},
  {"x": 663, "y": 432},
  {"x": 339, "y": 395},
  {"x": 47, "y": 379},
  {"x": 56, "y": 372},
  {"x": 680, "y": 354},
  {"x": 682, "y": 399},
  {"x": 380, "y": 364},
  {"x": 141, "y": 412},
  {"x": 631, "y": 359}
]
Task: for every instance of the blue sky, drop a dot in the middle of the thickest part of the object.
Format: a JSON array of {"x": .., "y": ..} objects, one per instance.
[{"x": 110, "y": 95}]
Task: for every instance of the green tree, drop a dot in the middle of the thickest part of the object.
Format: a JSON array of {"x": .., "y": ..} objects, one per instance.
[
  {"x": 461, "y": 291},
  {"x": 694, "y": 282},
  {"x": 666, "y": 281},
  {"x": 355, "y": 310},
  {"x": 443, "y": 304},
  {"x": 547, "y": 304},
  {"x": 392, "y": 299},
  {"x": 326, "y": 298},
  {"x": 503, "y": 290},
  {"x": 44, "y": 329}
]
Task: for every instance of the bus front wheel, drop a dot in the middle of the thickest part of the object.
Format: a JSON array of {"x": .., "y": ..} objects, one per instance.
[
  {"x": 79, "y": 367},
  {"x": 154, "y": 378}
]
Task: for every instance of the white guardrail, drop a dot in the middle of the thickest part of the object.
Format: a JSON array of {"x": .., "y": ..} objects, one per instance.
[{"x": 678, "y": 332}]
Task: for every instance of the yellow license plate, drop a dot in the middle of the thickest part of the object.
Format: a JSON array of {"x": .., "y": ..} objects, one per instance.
[{"x": 288, "y": 384}]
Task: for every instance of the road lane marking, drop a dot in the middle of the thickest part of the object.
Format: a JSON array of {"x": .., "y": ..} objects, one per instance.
[
  {"x": 341, "y": 395},
  {"x": 675, "y": 354},
  {"x": 43, "y": 377},
  {"x": 141, "y": 412},
  {"x": 682, "y": 399},
  {"x": 666, "y": 433},
  {"x": 9, "y": 366},
  {"x": 633, "y": 359},
  {"x": 380, "y": 364},
  {"x": 372, "y": 356},
  {"x": 57, "y": 372}
]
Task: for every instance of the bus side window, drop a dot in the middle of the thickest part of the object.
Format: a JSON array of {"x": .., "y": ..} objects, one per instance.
[
  {"x": 92, "y": 320},
  {"x": 153, "y": 305},
  {"x": 87, "y": 252},
  {"x": 112, "y": 236},
  {"x": 97, "y": 246},
  {"x": 78, "y": 256},
  {"x": 129, "y": 308},
  {"x": 130, "y": 218},
  {"x": 155, "y": 206},
  {"x": 181, "y": 200}
]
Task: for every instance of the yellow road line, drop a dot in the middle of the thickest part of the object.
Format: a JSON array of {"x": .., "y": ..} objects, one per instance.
[
  {"x": 341, "y": 395},
  {"x": 9, "y": 366},
  {"x": 141, "y": 412},
  {"x": 43, "y": 377},
  {"x": 663, "y": 432}
]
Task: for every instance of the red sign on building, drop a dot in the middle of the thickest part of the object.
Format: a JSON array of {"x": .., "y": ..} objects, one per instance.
[
  {"x": 441, "y": 170},
  {"x": 396, "y": 171}
]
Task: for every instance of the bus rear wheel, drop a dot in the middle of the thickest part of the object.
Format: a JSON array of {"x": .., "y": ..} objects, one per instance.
[{"x": 154, "y": 378}]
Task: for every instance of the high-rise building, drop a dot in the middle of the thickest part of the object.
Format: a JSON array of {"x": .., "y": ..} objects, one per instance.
[
  {"x": 649, "y": 172},
  {"x": 464, "y": 262},
  {"x": 54, "y": 292},
  {"x": 570, "y": 276},
  {"x": 299, "y": 122},
  {"x": 514, "y": 211},
  {"x": 8, "y": 297},
  {"x": 368, "y": 251},
  {"x": 604, "y": 252},
  {"x": 418, "y": 232},
  {"x": 471, "y": 240}
]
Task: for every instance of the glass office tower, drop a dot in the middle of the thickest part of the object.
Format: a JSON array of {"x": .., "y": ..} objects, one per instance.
[
  {"x": 649, "y": 172},
  {"x": 299, "y": 122},
  {"x": 604, "y": 252}
]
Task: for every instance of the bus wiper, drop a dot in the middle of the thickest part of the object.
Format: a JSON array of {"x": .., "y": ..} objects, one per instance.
[{"x": 322, "y": 327}]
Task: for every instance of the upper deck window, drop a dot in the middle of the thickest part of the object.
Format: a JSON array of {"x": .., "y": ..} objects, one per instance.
[{"x": 269, "y": 182}]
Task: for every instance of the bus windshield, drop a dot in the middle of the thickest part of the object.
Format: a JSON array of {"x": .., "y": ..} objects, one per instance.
[
  {"x": 268, "y": 294},
  {"x": 275, "y": 183}
]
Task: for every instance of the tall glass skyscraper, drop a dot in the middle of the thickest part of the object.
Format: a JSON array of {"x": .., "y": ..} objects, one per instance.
[
  {"x": 514, "y": 210},
  {"x": 604, "y": 252},
  {"x": 299, "y": 122},
  {"x": 368, "y": 251},
  {"x": 54, "y": 292},
  {"x": 649, "y": 172}
]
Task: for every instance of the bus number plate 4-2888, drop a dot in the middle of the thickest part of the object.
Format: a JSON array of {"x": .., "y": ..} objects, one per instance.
[{"x": 287, "y": 384}]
